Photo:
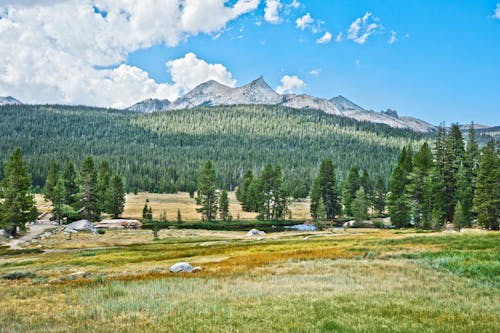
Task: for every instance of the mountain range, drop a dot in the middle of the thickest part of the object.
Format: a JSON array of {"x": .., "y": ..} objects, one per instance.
[
  {"x": 9, "y": 100},
  {"x": 258, "y": 92}
]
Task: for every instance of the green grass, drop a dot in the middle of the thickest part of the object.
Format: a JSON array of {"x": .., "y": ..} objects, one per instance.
[{"x": 358, "y": 281}]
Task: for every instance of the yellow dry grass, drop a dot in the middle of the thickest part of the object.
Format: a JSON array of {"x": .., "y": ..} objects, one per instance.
[{"x": 170, "y": 203}]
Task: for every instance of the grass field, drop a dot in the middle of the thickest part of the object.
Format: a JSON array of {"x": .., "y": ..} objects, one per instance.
[
  {"x": 171, "y": 202},
  {"x": 342, "y": 281}
]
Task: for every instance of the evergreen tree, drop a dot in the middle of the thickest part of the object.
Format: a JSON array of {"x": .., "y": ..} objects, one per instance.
[
  {"x": 437, "y": 175},
  {"x": 244, "y": 193},
  {"x": 316, "y": 199},
  {"x": 458, "y": 217},
  {"x": 366, "y": 183},
  {"x": 418, "y": 189},
  {"x": 454, "y": 155},
  {"x": 487, "y": 195},
  {"x": 379, "y": 196},
  {"x": 70, "y": 186},
  {"x": 179, "y": 216},
  {"x": 351, "y": 186},
  {"x": 399, "y": 205},
  {"x": 224, "y": 205},
  {"x": 102, "y": 184},
  {"x": 88, "y": 196},
  {"x": 115, "y": 197},
  {"x": 17, "y": 205},
  {"x": 207, "y": 195},
  {"x": 327, "y": 184},
  {"x": 472, "y": 150},
  {"x": 58, "y": 199},
  {"x": 360, "y": 206},
  {"x": 51, "y": 182}
]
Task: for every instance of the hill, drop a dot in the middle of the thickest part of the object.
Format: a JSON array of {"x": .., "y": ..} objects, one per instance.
[{"x": 163, "y": 151}]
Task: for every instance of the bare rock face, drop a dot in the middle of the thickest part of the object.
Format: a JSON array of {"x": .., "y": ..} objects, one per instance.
[
  {"x": 119, "y": 224},
  {"x": 255, "y": 232},
  {"x": 183, "y": 267},
  {"x": 81, "y": 225}
]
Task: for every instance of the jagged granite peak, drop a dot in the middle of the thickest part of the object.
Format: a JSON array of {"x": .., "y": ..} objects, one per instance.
[
  {"x": 310, "y": 102},
  {"x": 9, "y": 100},
  {"x": 391, "y": 112},
  {"x": 150, "y": 105},
  {"x": 343, "y": 104}
]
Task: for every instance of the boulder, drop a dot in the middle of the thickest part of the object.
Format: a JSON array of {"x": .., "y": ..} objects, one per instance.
[
  {"x": 255, "y": 232},
  {"x": 3, "y": 233},
  {"x": 119, "y": 224},
  {"x": 183, "y": 267},
  {"x": 81, "y": 225}
]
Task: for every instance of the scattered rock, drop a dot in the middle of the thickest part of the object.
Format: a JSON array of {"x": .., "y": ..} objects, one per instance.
[
  {"x": 306, "y": 238},
  {"x": 119, "y": 224},
  {"x": 78, "y": 275},
  {"x": 3, "y": 233},
  {"x": 81, "y": 225},
  {"x": 255, "y": 232},
  {"x": 183, "y": 267},
  {"x": 260, "y": 238}
]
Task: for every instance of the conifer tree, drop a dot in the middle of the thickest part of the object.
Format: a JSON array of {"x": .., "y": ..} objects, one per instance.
[
  {"x": 418, "y": 189},
  {"x": 454, "y": 155},
  {"x": 437, "y": 175},
  {"x": 17, "y": 205},
  {"x": 58, "y": 199},
  {"x": 458, "y": 217},
  {"x": 207, "y": 195},
  {"x": 243, "y": 193},
  {"x": 88, "y": 196},
  {"x": 399, "y": 205},
  {"x": 379, "y": 194},
  {"x": 487, "y": 195},
  {"x": 102, "y": 184},
  {"x": 316, "y": 199},
  {"x": 70, "y": 186},
  {"x": 328, "y": 189},
  {"x": 360, "y": 206},
  {"x": 366, "y": 183},
  {"x": 51, "y": 182},
  {"x": 350, "y": 187},
  {"x": 115, "y": 197},
  {"x": 224, "y": 205},
  {"x": 179, "y": 216}
]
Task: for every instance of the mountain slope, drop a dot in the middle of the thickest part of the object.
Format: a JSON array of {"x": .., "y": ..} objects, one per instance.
[
  {"x": 150, "y": 105},
  {"x": 9, "y": 100}
]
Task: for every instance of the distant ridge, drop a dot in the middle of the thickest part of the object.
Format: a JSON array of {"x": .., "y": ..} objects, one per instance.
[
  {"x": 9, "y": 100},
  {"x": 257, "y": 92}
]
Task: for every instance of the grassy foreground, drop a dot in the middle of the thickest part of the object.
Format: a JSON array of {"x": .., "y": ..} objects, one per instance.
[{"x": 352, "y": 281}]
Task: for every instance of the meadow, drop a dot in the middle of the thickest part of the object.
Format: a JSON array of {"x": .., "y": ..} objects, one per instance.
[{"x": 362, "y": 280}]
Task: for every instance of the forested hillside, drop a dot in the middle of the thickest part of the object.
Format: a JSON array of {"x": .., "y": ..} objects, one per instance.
[{"x": 162, "y": 152}]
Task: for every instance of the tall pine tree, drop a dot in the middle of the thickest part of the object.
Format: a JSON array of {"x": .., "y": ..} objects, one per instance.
[
  {"x": 487, "y": 195},
  {"x": 207, "y": 195},
  {"x": 88, "y": 197}
]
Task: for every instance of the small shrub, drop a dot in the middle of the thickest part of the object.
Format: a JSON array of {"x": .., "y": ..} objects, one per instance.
[
  {"x": 18, "y": 276},
  {"x": 378, "y": 224},
  {"x": 101, "y": 231},
  {"x": 99, "y": 279}
]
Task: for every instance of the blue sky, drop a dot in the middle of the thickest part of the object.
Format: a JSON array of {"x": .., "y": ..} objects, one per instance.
[
  {"x": 444, "y": 65},
  {"x": 435, "y": 60}
]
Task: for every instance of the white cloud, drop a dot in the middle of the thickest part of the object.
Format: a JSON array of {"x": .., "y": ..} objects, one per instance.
[
  {"x": 497, "y": 11},
  {"x": 271, "y": 12},
  {"x": 54, "y": 51},
  {"x": 325, "y": 39},
  {"x": 362, "y": 28},
  {"x": 290, "y": 84},
  {"x": 295, "y": 4},
  {"x": 315, "y": 71},
  {"x": 393, "y": 39},
  {"x": 304, "y": 21},
  {"x": 339, "y": 37},
  {"x": 188, "y": 72}
]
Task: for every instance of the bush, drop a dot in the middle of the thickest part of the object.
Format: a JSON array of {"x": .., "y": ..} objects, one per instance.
[
  {"x": 18, "y": 275},
  {"x": 378, "y": 224},
  {"x": 101, "y": 231}
]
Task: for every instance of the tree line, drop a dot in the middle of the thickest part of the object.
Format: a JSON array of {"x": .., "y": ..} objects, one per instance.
[
  {"x": 75, "y": 195},
  {"x": 456, "y": 183}
]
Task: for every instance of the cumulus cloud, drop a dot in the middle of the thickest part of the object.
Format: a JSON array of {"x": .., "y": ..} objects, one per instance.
[
  {"x": 55, "y": 51},
  {"x": 362, "y": 28},
  {"x": 325, "y": 39},
  {"x": 497, "y": 11},
  {"x": 340, "y": 37},
  {"x": 271, "y": 12},
  {"x": 393, "y": 38},
  {"x": 304, "y": 21},
  {"x": 188, "y": 72},
  {"x": 290, "y": 84},
  {"x": 315, "y": 71}
]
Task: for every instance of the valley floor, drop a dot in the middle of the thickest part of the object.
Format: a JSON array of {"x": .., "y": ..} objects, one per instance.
[{"x": 342, "y": 281}]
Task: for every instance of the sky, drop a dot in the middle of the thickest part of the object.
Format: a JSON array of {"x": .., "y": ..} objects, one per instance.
[{"x": 435, "y": 60}]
